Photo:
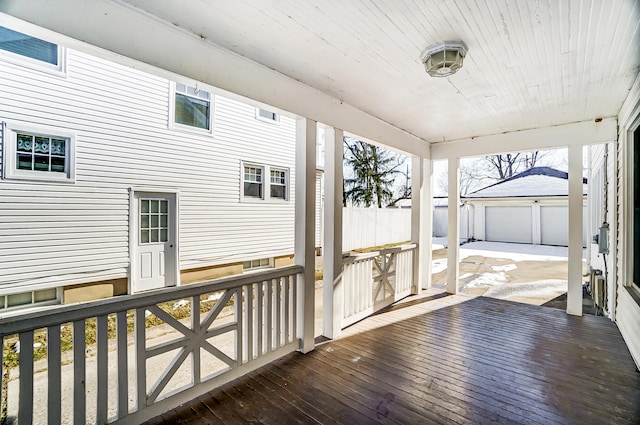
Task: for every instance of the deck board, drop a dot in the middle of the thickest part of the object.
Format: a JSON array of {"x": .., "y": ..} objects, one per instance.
[{"x": 441, "y": 359}]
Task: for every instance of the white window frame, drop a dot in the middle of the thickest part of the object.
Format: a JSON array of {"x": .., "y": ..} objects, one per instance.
[
  {"x": 266, "y": 183},
  {"x": 242, "y": 182},
  {"x": 9, "y": 149},
  {"x": 275, "y": 116},
  {"x": 251, "y": 269},
  {"x": 4, "y": 308},
  {"x": 172, "y": 110},
  {"x": 15, "y": 58},
  {"x": 286, "y": 183}
]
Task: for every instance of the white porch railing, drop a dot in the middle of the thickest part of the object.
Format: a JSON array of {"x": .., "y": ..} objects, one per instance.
[
  {"x": 372, "y": 281},
  {"x": 132, "y": 358}
]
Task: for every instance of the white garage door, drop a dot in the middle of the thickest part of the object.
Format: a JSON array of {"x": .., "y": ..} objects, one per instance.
[
  {"x": 508, "y": 224},
  {"x": 554, "y": 226}
]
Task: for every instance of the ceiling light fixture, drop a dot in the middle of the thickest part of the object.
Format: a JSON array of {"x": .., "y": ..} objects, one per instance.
[{"x": 444, "y": 59}]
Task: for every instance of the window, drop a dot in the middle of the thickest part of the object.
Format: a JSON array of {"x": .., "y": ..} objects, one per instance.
[
  {"x": 256, "y": 264},
  {"x": 38, "y": 154},
  {"x": 44, "y": 296},
  {"x": 192, "y": 107},
  {"x": 18, "y": 46},
  {"x": 278, "y": 184},
  {"x": 253, "y": 182},
  {"x": 154, "y": 221},
  {"x": 263, "y": 182},
  {"x": 266, "y": 115}
]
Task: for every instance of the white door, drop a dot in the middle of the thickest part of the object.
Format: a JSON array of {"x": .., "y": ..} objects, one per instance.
[{"x": 154, "y": 262}]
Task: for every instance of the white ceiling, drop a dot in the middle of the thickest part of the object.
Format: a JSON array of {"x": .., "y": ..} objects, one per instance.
[{"x": 531, "y": 64}]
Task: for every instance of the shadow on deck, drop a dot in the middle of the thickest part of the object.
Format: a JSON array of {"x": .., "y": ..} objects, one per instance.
[{"x": 439, "y": 359}]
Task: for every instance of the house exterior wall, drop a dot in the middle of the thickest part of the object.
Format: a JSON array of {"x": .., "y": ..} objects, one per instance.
[
  {"x": 56, "y": 234},
  {"x": 627, "y": 299}
]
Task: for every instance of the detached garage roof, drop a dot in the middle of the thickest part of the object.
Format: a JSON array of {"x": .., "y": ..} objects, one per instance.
[{"x": 535, "y": 182}]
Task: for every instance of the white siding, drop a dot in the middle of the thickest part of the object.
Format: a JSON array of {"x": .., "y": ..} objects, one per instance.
[
  {"x": 627, "y": 308},
  {"x": 53, "y": 234}
]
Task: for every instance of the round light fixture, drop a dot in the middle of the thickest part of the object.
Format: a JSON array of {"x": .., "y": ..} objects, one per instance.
[{"x": 444, "y": 59}]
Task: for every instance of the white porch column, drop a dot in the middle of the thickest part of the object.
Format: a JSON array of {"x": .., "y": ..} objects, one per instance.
[
  {"x": 453, "y": 231},
  {"x": 421, "y": 221},
  {"x": 332, "y": 291},
  {"x": 574, "y": 291},
  {"x": 305, "y": 225}
]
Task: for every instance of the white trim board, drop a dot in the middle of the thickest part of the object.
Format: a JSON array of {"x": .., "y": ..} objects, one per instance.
[{"x": 580, "y": 133}]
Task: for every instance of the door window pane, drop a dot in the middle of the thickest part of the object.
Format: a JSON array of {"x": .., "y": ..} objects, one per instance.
[{"x": 154, "y": 221}]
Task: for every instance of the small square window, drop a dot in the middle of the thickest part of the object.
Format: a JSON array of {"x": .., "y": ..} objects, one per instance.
[
  {"x": 38, "y": 154},
  {"x": 266, "y": 115},
  {"x": 192, "y": 107}
]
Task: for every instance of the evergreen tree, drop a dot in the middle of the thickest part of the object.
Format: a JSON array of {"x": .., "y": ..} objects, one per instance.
[{"x": 371, "y": 172}]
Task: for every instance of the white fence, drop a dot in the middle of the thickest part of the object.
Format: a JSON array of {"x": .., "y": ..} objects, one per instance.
[
  {"x": 372, "y": 281},
  {"x": 128, "y": 359},
  {"x": 366, "y": 227}
]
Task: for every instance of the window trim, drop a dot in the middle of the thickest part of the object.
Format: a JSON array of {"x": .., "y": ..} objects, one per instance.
[
  {"x": 270, "y": 265},
  {"x": 286, "y": 183},
  {"x": 17, "y": 59},
  {"x": 266, "y": 183},
  {"x": 275, "y": 120},
  {"x": 173, "y": 125},
  {"x": 242, "y": 182},
  {"x": 9, "y": 170}
]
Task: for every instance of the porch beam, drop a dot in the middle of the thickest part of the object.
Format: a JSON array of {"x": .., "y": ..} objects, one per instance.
[
  {"x": 305, "y": 225},
  {"x": 574, "y": 291},
  {"x": 453, "y": 231},
  {"x": 192, "y": 56},
  {"x": 333, "y": 290},
  {"x": 580, "y": 133},
  {"x": 421, "y": 221}
]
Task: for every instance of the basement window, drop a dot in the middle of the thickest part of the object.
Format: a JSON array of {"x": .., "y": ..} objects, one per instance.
[
  {"x": 261, "y": 263},
  {"x": 26, "y": 299}
]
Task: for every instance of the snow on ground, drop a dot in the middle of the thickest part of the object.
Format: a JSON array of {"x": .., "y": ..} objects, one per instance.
[
  {"x": 514, "y": 251},
  {"x": 543, "y": 289}
]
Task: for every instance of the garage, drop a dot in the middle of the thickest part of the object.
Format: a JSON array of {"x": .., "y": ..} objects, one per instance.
[{"x": 508, "y": 224}]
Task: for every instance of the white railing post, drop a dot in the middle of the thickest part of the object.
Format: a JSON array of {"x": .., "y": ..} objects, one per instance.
[
  {"x": 333, "y": 288},
  {"x": 305, "y": 229}
]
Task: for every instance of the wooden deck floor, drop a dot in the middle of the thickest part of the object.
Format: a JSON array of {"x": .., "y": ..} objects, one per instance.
[{"x": 439, "y": 360}]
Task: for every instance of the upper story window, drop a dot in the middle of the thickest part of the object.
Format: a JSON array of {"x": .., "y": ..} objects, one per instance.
[
  {"x": 266, "y": 115},
  {"x": 253, "y": 182},
  {"x": 23, "y": 48},
  {"x": 192, "y": 107},
  {"x": 262, "y": 182},
  {"x": 38, "y": 154},
  {"x": 278, "y": 184}
]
